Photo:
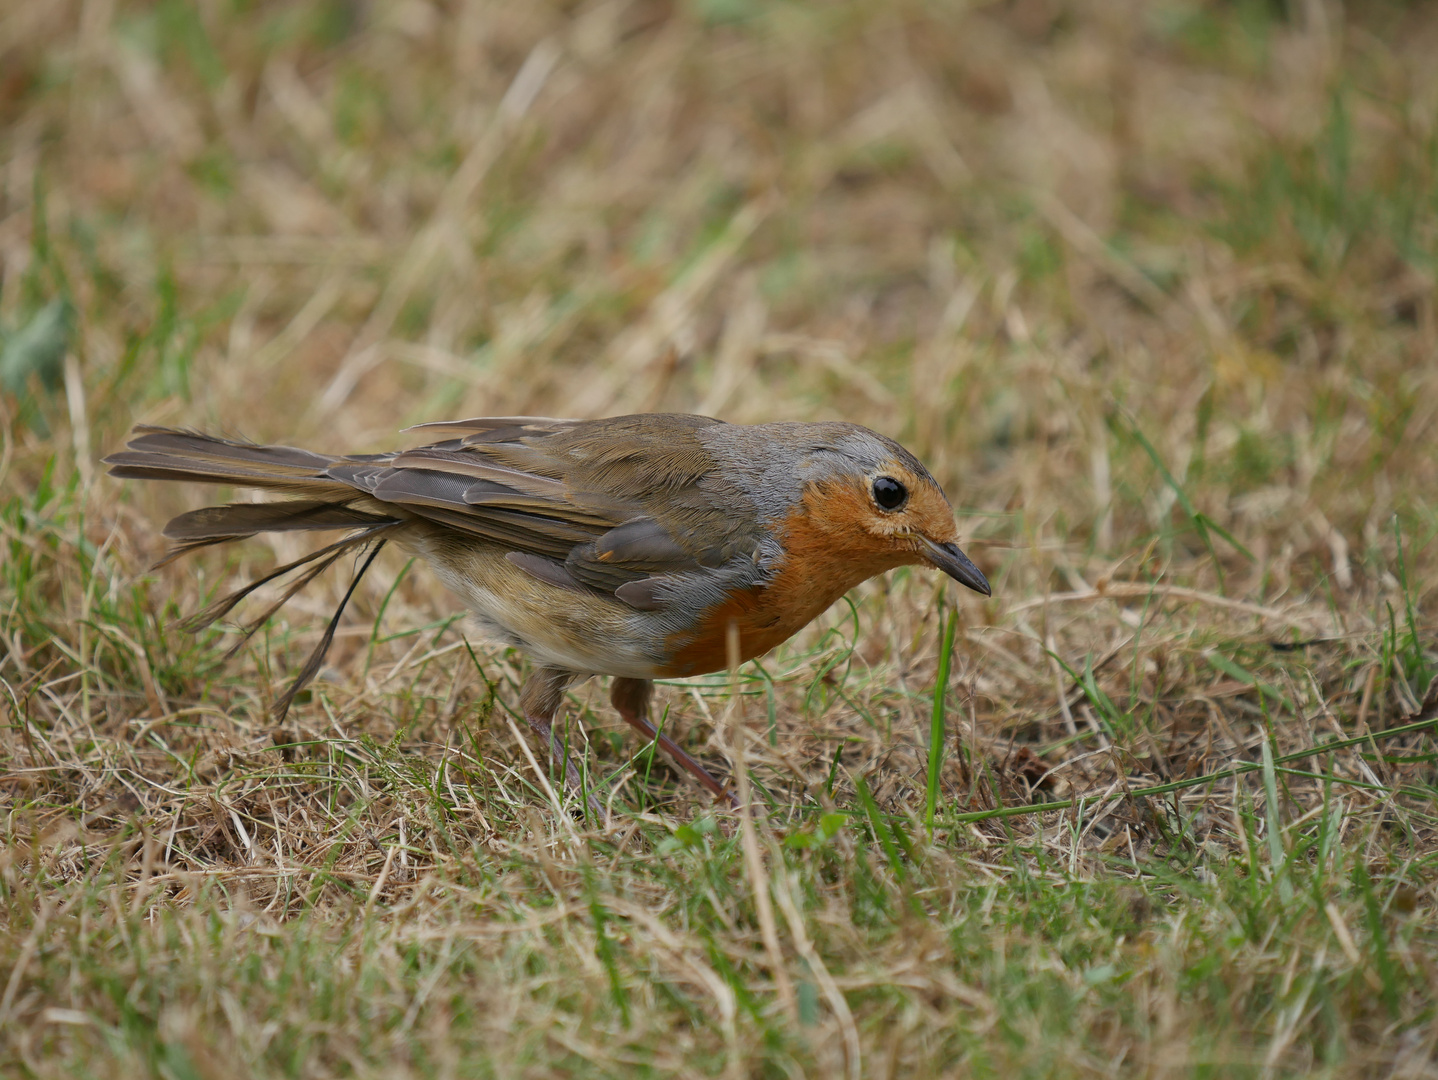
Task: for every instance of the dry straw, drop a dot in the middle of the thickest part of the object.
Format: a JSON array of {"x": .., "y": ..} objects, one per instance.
[{"x": 1149, "y": 287}]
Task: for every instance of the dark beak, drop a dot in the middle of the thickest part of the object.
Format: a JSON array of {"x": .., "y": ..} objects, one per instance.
[{"x": 952, "y": 561}]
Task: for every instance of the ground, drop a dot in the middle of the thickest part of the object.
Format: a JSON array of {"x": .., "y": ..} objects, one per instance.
[{"x": 1150, "y": 287}]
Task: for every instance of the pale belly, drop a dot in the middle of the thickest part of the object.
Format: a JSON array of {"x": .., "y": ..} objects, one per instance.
[{"x": 557, "y": 627}]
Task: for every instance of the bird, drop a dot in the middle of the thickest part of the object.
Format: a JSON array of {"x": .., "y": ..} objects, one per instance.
[{"x": 635, "y": 547}]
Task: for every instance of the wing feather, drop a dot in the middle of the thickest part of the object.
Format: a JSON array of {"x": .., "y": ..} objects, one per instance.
[
  {"x": 476, "y": 466},
  {"x": 619, "y": 506}
]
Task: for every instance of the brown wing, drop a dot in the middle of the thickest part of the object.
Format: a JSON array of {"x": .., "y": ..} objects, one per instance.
[
  {"x": 608, "y": 505},
  {"x": 596, "y": 504},
  {"x": 500, "y": 428}
]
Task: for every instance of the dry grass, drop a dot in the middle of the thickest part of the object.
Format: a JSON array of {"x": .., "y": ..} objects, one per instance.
[{"x": 1150, "y": 286}]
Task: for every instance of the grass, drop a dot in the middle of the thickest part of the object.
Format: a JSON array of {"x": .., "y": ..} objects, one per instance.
[{"x": 1151, "y": 288}]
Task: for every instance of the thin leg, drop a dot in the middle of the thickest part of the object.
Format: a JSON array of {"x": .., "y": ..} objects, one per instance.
[
  {"x": 540, "y": 699},
  {"x": 631, "y": 698}
]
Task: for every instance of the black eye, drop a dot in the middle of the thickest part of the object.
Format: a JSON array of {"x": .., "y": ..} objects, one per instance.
[{"x": 889, "y": 493}]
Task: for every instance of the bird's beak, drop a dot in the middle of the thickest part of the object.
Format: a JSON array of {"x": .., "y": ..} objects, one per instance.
[{"x": 952, "y": 561}]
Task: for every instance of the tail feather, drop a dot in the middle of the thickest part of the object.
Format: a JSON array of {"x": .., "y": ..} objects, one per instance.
[
  {"x": 154, "y": 467},
  {"x": 239, "y": 520},
  {"x": 199, "y": 447},
  {"x": 248, "y": 630},
  {"x": 317, "y": 655},
  {"x": 222, "y": 607},
  {"x": 321, "y": 502},
  {"x": 166, "y": 454},
  {"x": 179, "y": 551}
]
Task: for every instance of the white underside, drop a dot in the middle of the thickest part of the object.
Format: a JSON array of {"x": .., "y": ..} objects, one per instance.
[{"x": 557, "y": 627}]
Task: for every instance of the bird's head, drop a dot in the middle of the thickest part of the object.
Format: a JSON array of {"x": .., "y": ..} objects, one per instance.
[{"x": 875, "y": 506}]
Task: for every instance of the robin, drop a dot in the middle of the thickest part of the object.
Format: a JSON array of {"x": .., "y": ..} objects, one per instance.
[{"x": 626, "y": 547}]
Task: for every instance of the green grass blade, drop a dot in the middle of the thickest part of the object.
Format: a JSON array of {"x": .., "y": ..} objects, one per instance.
[
  {"x": 880, "y": 827},
  {"x": 1387, "y": 975},
  {"x": 936, "y": 723},
  {"x": 1274, "y": 821}
]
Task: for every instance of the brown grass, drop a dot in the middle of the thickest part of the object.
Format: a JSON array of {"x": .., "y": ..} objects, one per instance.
[{"x": 1150, "y": 287}]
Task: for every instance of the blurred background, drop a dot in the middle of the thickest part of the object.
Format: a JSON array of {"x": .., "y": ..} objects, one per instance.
[
  {"x": 1149, "y": 285},
  {"x": 1065, "y": 252}
]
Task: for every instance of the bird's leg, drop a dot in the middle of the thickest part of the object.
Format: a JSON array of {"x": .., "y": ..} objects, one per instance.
[
  {"x": 540, "y": 698},
  {"x": 631, "y": 698}
]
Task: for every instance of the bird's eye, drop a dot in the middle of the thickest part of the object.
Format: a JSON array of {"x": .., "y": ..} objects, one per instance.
[{"x": 889, "y": 493}]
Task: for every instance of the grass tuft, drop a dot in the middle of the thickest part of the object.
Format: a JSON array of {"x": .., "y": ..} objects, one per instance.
[{"x": 1150, "y": 291}]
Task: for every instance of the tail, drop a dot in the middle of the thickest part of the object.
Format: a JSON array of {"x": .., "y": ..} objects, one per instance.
[{"x": 319, "y": 501}]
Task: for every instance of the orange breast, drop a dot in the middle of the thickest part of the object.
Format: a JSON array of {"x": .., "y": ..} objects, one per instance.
[{"x": 826, "y": 553}]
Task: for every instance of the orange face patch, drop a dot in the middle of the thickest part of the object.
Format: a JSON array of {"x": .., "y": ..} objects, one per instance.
[
  {"x": 927, "y": 512},
  {"x": 833, "y": 541}
]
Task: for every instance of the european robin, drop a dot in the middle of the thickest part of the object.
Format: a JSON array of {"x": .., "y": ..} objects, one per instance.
[{"x": 624, "y": 547}]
